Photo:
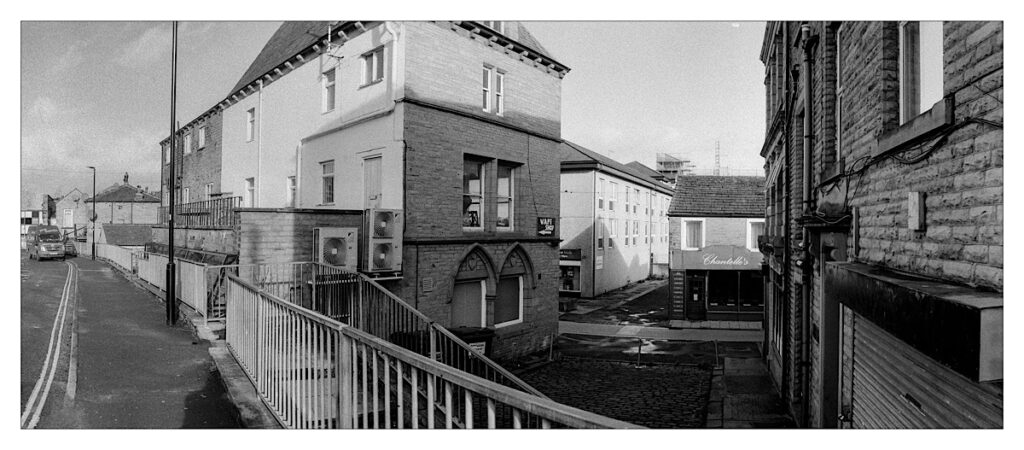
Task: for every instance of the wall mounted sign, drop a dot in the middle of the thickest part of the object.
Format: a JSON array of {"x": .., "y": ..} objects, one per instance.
[
  {"x": 545, "y": 226},
  {"x": 718, "y": 257},
  {"x": 570, "y": 254},
  {"x": 599, "y": 262}
]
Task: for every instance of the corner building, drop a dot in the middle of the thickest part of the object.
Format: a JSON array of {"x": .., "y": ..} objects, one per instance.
[{"x": 884, "y": 209}]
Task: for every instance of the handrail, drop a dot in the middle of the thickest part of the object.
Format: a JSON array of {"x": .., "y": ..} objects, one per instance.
[{"x": 316, "y": 372}]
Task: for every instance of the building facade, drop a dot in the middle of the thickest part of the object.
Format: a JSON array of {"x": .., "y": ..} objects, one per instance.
[
  {"x": 715, "y": 223},
  {"x": 197, "y": 160},
  {"x": 72, "y": 212},
  {"x": 614, "y": 227},
  {"x": 453, "y": 125},
  {"x": 124, "y": 203},
  {"x": 884, "y": 212}
]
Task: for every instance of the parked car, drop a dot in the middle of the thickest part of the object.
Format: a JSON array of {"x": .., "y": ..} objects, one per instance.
[{"x": 44, "y": 241}]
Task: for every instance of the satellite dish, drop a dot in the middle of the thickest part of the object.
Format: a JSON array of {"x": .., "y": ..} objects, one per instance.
[{"x": 334, "y": 251}]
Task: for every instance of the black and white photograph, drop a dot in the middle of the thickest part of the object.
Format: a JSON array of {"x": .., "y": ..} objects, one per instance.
[{"x": 772, "y": 221}]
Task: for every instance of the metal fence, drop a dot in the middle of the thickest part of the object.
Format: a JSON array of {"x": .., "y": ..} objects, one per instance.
[
  {"x": 208, "y": 214},
  {"x": 122, "y": 257},
  {"x": 357, "y": 300},
  {"x": 316, "y": 372}
]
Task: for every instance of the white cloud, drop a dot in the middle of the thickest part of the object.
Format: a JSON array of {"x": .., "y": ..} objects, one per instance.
[{"x": 149, "y": 46}]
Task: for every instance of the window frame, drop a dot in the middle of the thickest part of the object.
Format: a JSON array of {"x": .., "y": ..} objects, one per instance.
[
  {"x": 328, "y": 90},
  {"x": 250, "y": 124},
  {"x": 600, "y": 193},
  {"x": 482, "y": 220},
  {"x": 510, "y": 198},
  {"x": 185, "y": 197},
  {"x": 201, "y": 138},
  {"x": 487, "y": 87},
  {"x": 291, "y": 189},
  {"x": 911, "y": 79},
  {"x": 614, "y": 192},
  {"x": 250, "y": 191},
  {"x": 599, "y": 235},
  {"x": 703, "y": 232},
  {"x": 519, "y": 318},
  {"x": 612, "y": 223},
  {"x": 187, "y": 143},
  {"x": 373, "y": 67},
  {"x": 750, "y": 229},
  {"x": 499, "y": 92},
  {"x": 209, "y": 191},
  {"x": 324, "y": 177}
]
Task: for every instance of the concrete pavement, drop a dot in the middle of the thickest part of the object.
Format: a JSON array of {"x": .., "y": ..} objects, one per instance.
[
  {"x": 132, "y": 370},
  {"x": 638, "y": 331}
]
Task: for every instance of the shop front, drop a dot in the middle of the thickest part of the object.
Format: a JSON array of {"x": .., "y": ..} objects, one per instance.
[
  {"x": 569, "y": 261},
  {"x": 721, "y": 283}
]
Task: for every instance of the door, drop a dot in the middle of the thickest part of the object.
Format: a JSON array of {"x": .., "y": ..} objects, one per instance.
[
  {"x": 468, "y": 304},
  {"x": 371, "y": 182},
  {"x": 696, "y": 295}
]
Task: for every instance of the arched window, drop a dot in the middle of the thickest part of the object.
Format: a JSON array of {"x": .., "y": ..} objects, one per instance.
[
  {"x": 508, "y": 301},
  {"x": 468, "y": 305}
]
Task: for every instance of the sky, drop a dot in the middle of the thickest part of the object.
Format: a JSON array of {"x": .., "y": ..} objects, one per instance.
[{"x": 98, "y": 93}]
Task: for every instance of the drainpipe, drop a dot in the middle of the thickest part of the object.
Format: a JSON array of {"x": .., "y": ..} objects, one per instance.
[
  {"x": 806, "y": 42},
  {"x": 258, "y": 184}
]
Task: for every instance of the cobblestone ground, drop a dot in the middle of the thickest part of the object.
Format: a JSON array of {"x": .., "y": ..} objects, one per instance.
[{"x": 654, "y": 396}]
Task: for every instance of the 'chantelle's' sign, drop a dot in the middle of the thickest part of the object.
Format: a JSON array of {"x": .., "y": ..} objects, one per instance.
[{"x": 721, "y": 257}]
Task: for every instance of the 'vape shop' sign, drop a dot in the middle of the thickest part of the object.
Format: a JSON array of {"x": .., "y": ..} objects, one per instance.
[{"x": 721, "y": 257}]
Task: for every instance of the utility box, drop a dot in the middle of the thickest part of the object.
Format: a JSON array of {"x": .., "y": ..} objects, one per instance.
[{"x": 478, "y": 338}]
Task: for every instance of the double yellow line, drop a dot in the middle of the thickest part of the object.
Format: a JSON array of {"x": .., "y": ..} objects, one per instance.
[{"x": 37, "y": 400}]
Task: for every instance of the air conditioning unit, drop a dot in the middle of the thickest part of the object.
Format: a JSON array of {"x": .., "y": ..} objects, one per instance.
[
  {"x": 336, "y": 246},
  {"x": 383, "y": 240}
]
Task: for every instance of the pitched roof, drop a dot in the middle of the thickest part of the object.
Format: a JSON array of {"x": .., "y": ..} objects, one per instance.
[
  {"x": 573, "y": 155},
  {"x": 640, "y": 167},
  {"x": 124, "y": 193},
  {"x": 290, "y": 39},
  {"x": 711, "y": 196},
  {"x": 127, "y": 233}
]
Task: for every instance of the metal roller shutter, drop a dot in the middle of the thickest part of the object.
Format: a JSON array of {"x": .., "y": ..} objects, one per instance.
[{"x": 896, "y": 386}]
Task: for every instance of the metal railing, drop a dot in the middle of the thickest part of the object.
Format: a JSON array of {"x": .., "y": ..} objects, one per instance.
[
  {"x": 357, "y": 300},
  {"x": 120, "y": 256},
  {"x": 316, "y": 372},
  {"x": 208, "y": 214}
]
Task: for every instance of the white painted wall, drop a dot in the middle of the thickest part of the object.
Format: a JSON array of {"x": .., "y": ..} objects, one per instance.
[
  {"x": 577, "y": 221},
  {"x": 289, "y": 109}
]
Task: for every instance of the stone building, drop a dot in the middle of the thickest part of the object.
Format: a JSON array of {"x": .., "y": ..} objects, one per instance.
[
  {"x": 614, "y": 227},
  {"x": 197, "y": 160},
  {"x": 454, "y": 126},
  {"x": 72, "y": 212},
  {"x": 124, "y": 203},
  {"x": 884, "y": 210},
  {"x": 715, "y": 223}
]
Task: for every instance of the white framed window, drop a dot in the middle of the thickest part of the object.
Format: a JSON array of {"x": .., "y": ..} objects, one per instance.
[
  {"x": 612, "y": 224},
  {"x": 167, "y": 154},
  {"x": 499, "y": 93},
  {"x": 920, "y": 67},
  {"x": 636, "y": 200},
  {"x": 693, "y": 234},
  {"x": 185, "y": 198},
  {"x": 250, "y": 124},
  {"x": 600, "y": 193},
  {"x": 505, "y": 197},
  {"x": 486, "y": 85},
  {"x": 201, "y": 137},
  {"x": 208, "y": 195},
  {"x": 373, "y": 66},
  {"x": 755, "y": 228},
  {"x": 508, "y": 303},
  {"x": 327, "y": 182},
  {"x": 290, "y": 191},
  {"x": 636, "y": 230},
  {"x": 614, "y": 193},
  {"x": 472, "y": 194},
  {"x": 250, "y": 193},
  {"x": 188, "y": 143},
  {"x": 327, "y": 91},
  {"x": 495, "y": 25},
  {"x": 625, "y": 200},
  {"x": 599, "y": 226}
]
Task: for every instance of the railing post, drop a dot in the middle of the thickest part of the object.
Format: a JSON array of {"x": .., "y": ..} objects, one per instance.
[
  {"x": 343, "y": 369},
  {"x": 433, "y": 342}
]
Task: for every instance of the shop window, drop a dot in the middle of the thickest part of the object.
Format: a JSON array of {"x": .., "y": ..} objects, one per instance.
[
  {"x": 723, "y": 288},
  {"x": 751, "y": 289},
  {"x": 569, "y": 280}
]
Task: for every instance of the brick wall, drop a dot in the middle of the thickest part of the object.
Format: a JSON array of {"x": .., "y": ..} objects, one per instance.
[
  {"x": 202, "y": 165},
  {"x": 444, "y": 65},
  {"x": 281, "y": 236}
]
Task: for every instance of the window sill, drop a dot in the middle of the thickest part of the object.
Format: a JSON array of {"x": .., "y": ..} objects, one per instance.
[
  {"x": 918, "y": 128},
  {"x": 364, "y": 85},
  {"x": 508, "y": 324}
]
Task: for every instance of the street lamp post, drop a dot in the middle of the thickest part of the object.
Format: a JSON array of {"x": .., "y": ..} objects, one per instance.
[
  {"x": 171, "y": 301},
  {"x": 93, "y": 212}
]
